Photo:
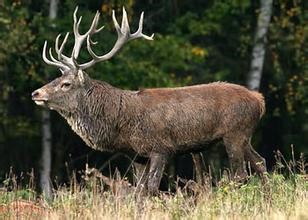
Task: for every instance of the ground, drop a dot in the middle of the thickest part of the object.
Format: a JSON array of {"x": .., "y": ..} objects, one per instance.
[{"x": 280, "y": 198}]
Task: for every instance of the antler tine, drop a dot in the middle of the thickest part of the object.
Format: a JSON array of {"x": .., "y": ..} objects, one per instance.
[
  {"x": 91, "y": 52},
  {"x": 124, "y": 35},
  {"x": 76, "y": 22},
  {"x": 115, "y": 22},
  {"x": 51, "y": 56},
  {"x": 79, "y": 38},
  {"x": 66, "y": 65},
  {"x": 54, "y": 63},
  {"x": 139, "y": 33},
  {"x": 60, "y": 50},
  {"x": 57, "y": 45},
  {"x": 124, "y": 25},
  {"x": 69, "y": 61}
]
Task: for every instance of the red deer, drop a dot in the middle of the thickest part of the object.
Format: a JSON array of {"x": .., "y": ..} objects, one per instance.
[{"x": 154, "y": 123}]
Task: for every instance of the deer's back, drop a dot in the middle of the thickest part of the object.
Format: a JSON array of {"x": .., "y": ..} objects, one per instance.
[{"x": 179, "y": 119}]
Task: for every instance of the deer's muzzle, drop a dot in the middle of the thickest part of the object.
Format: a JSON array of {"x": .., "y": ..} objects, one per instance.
[{"x": 39, "y": 97}]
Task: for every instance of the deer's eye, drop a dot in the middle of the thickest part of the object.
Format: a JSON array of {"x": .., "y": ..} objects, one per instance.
[{"x": 65, "y": 85}]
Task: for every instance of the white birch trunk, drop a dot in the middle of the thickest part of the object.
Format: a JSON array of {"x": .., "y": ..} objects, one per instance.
[
  {"x": 53, "y": 9},
  {"x": 258, "y": 51},
  {"x": 45, "y": 182}
]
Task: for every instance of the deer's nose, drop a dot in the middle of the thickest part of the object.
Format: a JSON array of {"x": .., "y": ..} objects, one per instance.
[
  {"x": 39, "y": 94},
  {"x": 35, "y": 94}
]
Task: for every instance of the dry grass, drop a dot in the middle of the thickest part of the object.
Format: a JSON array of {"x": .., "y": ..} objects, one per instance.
[
  {"x": 99, "y": 197},
  {"x": 280, "y": 198}
]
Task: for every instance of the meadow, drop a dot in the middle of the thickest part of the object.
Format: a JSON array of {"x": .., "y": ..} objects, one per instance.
[{"x": 283, "y": 196}]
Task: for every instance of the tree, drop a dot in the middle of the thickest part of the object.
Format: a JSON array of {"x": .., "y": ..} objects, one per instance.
[
  {"x": 258, "y": 51},
  {"x": 46, "y": 130}
]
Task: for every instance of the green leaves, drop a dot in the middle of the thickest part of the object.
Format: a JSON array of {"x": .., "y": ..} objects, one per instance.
[{"x": 166, "y": 61}]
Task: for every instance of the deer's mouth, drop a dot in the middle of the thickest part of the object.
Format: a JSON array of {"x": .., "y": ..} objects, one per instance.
[
  {"x": 39, "y": 97},
  {"x": 42, "y": 102}
]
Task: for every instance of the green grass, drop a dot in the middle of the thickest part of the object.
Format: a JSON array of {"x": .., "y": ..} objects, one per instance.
[{"x": 279, "y": 198}]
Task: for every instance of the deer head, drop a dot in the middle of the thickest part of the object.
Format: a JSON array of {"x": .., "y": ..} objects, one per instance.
[{"x": 62, "y": 93}]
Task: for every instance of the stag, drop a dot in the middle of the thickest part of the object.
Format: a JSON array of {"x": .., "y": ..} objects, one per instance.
[{"x": 153, "y": 123}]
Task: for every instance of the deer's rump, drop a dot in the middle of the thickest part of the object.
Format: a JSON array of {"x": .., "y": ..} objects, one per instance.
[{"x": 183, "y": 118}]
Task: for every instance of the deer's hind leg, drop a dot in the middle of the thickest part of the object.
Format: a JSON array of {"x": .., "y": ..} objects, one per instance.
[
  {"x": 240, "y": 152},
  {"x": 235, "y": 145},
  {"x": 257, "y": 162}
]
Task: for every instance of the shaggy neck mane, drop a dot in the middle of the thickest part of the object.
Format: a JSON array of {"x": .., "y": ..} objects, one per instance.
[{"x": 94, "y": 120}]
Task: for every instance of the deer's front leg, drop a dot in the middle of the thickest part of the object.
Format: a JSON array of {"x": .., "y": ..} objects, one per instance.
[
  {"x": 141, "y": 175},
  {"x": 157, "y": 165}
]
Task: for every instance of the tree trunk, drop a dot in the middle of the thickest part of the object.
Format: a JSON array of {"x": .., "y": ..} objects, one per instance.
[
  {"x": 53, "y": 9},
  {"x": 45, "y": 182},
  {"x": 46, "y": 154},
  {"x": 258, "y": 51}
]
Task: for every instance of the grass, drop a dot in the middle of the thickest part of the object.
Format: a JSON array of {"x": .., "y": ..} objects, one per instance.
[{"x": 281, "y": 197}]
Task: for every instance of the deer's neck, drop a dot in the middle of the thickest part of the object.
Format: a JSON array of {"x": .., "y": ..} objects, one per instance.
[{"x": 96, "y": 118}]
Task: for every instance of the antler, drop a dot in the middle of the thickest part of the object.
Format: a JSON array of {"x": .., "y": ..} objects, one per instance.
[
  {"x": 70, "y": 63},
  {"x": 124, "y": 35}
]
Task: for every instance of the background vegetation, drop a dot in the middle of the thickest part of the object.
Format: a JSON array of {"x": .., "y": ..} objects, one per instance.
[{"x": 196, "y": 41}]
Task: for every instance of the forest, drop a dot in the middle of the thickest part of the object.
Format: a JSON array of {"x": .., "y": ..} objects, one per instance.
[{"x": 195, "y": 42}]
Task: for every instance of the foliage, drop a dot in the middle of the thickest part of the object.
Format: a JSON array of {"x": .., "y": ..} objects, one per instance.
[
  {"x": 287, "y": 73},
  {"x": 18, "y": 66}
]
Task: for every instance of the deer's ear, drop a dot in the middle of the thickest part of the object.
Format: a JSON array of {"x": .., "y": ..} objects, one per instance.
[{"x": 81, "y": 76}]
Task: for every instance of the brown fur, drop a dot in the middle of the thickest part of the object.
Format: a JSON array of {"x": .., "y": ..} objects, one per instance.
[
  {"x": 158, "y": 122},
  {"x": 182, "y": 118}
]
